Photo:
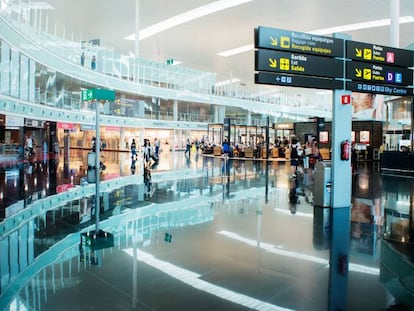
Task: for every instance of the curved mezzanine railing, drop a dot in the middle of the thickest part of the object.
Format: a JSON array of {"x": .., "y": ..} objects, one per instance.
[{"x": 61, "y": 56}]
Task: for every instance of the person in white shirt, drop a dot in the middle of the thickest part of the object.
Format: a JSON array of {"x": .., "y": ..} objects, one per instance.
[
  {"x": 29, "y": 145},
  {"x": 295, "y": 152}
]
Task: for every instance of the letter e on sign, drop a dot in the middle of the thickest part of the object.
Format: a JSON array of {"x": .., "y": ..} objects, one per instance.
[{"x": 345, "y": 99}]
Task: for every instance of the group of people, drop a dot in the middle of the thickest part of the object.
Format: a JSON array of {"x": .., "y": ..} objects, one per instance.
[
  {"x": 93, "y": 61},
  {"x": 149, "y": 152},
  {"x": 192, "y": 147},
  {"x": 308, "y": 155},
  {"x": 150, "y": 158}
]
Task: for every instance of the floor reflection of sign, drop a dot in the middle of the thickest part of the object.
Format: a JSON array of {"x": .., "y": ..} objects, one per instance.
[
  {"x": 364, "y": 137},
  {"x": 323, "y": 137}
]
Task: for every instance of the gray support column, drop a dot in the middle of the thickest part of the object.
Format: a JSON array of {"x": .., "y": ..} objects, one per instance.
[
  {"x": 340, "y": 199},
  {"x": 249, "y": 118},
  {"x": 215, "y": 112},
  {"x": 341, "y": 131},
  {"x": 395, "y": 23},
  {"x": 122, "y": 144},
  {"x": 97, "y": 164},
  {"x": 341, "y": 170},
  {"x": 137, "y": 28},
  {"x": 221, "y": 113},
  {"x": 35, "y": 18},
  {"x": 175, "y": 110},
  {"x": 40, "y": 20}
]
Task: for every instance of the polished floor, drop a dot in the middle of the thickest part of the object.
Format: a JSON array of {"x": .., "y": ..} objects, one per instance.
[{"x": 235, "y": 235}]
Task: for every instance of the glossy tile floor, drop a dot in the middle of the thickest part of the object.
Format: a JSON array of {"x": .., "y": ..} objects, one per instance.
[{"x": 238, "y": 235}]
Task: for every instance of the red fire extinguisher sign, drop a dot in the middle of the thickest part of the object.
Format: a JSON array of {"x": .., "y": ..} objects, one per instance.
[{"x": 345, "y": 99}]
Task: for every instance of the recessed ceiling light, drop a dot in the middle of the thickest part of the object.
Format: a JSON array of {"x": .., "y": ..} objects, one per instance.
[
  {"x": 364, "y": 25},
  {"x": 226, "y": 82},
  {"x": 238, "y": 50},
  {"x": 186, "y": 17}
]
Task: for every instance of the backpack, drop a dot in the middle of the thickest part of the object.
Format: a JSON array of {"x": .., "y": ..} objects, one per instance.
[{"x": 294, "y": 152}]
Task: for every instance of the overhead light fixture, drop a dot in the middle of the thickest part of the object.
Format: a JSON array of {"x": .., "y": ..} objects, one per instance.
[
  {"x": 186, "y": 17},
  {"x": 324, "y": 92},
  {"x": 226, "y": 82},
  {"x": 238, "y": 50},
  {"x": 326, "y": 31},
  {"x": 364, "y": 25}
]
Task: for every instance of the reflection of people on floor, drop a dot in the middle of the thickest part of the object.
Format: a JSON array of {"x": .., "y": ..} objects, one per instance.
[
  {"x": 133, "y": 149},
  {"x": 133, "y": 168},
  {"x": 188, "y": 148},
  {"x": 293, "y": 195},
  {"x": 354, "y": 159}
]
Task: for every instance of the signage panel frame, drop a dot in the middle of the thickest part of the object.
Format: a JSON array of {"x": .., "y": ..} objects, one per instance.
[
  {"x": 390, "y": 74},
  {"x": 373, "y": 88},
  {"x": 286, "y": 62},
  {"x": 271, "y": 78},
  {"x": 299, "y": 42},
  {"x": 401, "y": 57}
]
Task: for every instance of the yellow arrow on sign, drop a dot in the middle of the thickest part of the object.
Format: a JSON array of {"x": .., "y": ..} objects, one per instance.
[
  {"x": 273, "y": 41},
  {"x": 358, "y": 52},
  {"x": 272, "y": 63},
  {"x": 358, "y": 73}
]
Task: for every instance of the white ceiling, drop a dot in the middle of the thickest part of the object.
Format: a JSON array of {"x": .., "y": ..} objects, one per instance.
[{"x": 197, "y": 42}]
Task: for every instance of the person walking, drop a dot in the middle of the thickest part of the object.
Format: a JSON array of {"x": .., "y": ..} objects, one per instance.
[
  {"x": 188, "y": 147},
  {"x": 93, "y": 62},
  {"x": 307, "y": 155},
  {"x": 82, "y": 59},
  {"x": 29, "y": 146},
  {"x": 295, "y": 149},
  {"x": 147, "y": 150},
  {"x": 157, "y": 147},
  {"x": 133, "y": 149}
]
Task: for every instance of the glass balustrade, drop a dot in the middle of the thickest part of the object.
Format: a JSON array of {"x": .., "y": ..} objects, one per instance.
[{"x": 129, "y": 68}]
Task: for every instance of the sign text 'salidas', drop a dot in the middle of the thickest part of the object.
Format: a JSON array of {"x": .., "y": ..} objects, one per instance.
[{"x": 308, "y": 43}]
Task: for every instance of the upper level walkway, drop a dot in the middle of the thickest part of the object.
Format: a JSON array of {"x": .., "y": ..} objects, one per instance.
[{"x": 152, "y": 80}]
